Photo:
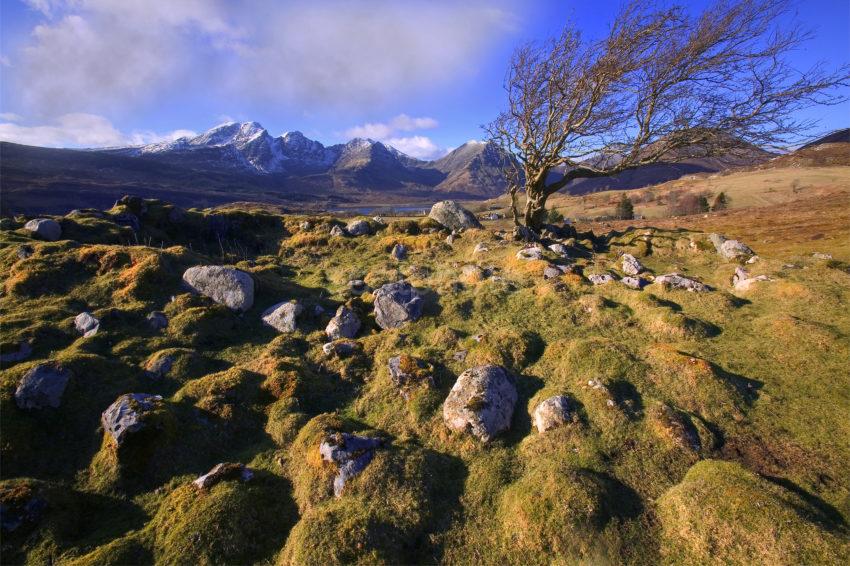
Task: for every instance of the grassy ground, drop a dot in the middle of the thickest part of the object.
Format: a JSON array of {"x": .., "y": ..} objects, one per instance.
[{"x": 760, "y": 378}]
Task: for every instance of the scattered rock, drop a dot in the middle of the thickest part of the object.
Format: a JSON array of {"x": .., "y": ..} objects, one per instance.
[
  {"x": 730, "y": 249},
  {"x": 631, "y": 266},
  {"x": 460, "y": 355},
  {"x": 20, "y": 506},
  {"x": 157, "y": 367},
  {"x": 227, "y": 286},
  {"x": 358, "y": 228},
  {"x": 530, "y": 253},
  {"x": 282, "y": 316},
  {"x": 742, "y": 281},
  {"x": 24, "y": 251},
  {"x": 128, "y": 219},
  {"x": 222, "y": 472},
  {"x": 559, "y": 249},
  {"x": 453, "y": 216},
  {"x": 633, "y": 282},
  {"x": 44, "y": 228},
  {"x": 406, "y": 370},
  {"x": 524, "y": 234},
  {"x": 337, "y": 231},
  {"x": 305, "y": 226},
  {"x": 344, "y": 324},
  {"x": 482, "y": 401},
  {"x": 600, "y": 278},
  {"x": 351, "y": 453},
  {"x": 341, "y": 348},
  {"x": 677, "y": 281},
  {"x": 358, "y": 287},
  {"x": 379, "y": 220},
  {"x": 399, "y": 252},
  {"x": 717, "y": 240},
  {"x": 552, "y": 413},
  {"x": 126, "y": 415},
  {"x": 480, "y": 248},
  {"x": 819, "y": 255},
  {"x": 86, "y": 324},
  {"x": 753, "y": 259},
  {"x": 157, "y": 320},
  {"x": 23, "y": 352},
  {"x": 676, "y": 427},
  {"x": 472, "y": 272},
  {"x": 42, "y": 386},
  {"x": 396, "y": 304},
  {"x": 551, "y": 272}
]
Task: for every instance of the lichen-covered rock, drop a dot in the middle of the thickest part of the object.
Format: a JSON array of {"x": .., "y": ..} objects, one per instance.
[
  {"x": 227, "y": 286},
  {"x": 45, "y": 228},
  {"x": 344, "y": 324},
  {"x": 351, "y": 453},
  {"x": 399, "y": 252},
  {"x": 742, "y": 281},
  {"x": 530, "y": 253},
  {"x": 157, "y": 320},
  {"x": 126, "y": 415},
  {"x": 600, "y": 278},
  {"x": 733, "y": 249},
  {"x": 86, "y": 324},
  {"x": 552, "y": 413},
  {"x": 358, "y": 228},
  {"x": 42, "y": 386},
  {"x": 407, "y": 370},
  {"x": 453, "y": 216},
  {"x": 397, "y": 304},
  {"x": 337, "y": 231},
  {"x": 481, "y": 401},
  {"x": 158, "y": 367},
  {"x": 282, "y": 316},
  {"x": 677, "y": 281},
  {"x": 223, "y": 472},
  {"x": 633, "y": 282},
  {"x": 341, "y": 348},
  {"x": 631, "y": 266},
  {"x": 674, "y": 426},
  {"x": 524, "y": 234},
  {"x": 559, "y": 249}
]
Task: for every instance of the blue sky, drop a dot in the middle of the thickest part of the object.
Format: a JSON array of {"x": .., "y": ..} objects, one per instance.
[{"x": 422, "y": 76}]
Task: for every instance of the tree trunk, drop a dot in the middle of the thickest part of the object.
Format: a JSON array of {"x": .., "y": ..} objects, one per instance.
[{"x": 535, "y": 208}]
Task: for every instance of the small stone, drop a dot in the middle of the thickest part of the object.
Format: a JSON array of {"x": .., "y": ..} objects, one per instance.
[
  {"x": 157, "y": 320},
  {"x": 337, "y": 231},
  {"x": 341, "y": 348},
  {"x": 631, "y": 266},
  {"x": 358, "y": 228},
  {"x": 460, "y": 355},
  {"x": 632, "y": 282},
  {"x": 450, "y": 239},
  {"x": 397, "y": 304},
  {"x": 282, "y": 316},
  {"x": 559, "y": 249},
  {"x": 158, "y": 367},
  {"x": 530, "y": 253},
  {"x": 753, "y": 259},
  {"x": 524, "y": 234},
  {"x": 344, "y": 324},
  {"x": 127, "y": 414},
  {"x": 305, "y": 226},
  {"x": 86, "y": 324},
  {"x": 551, "y": 272},
  {"x": 480, "y": 248},
  {"x": 552, "y": 413},
  {"x": 406, "y": 370},
  {"x": 399, "y": 252},
  {"x": 600, "y": 278},
  {"x": 24, "y": 251},
  {"x": 222, "y": 472},
  {"x": 352, "y": 453},
  {"x": 357, "y": 287},
  {"x": 677, "y": 281},
  {"x": 819, "y": 255},
  {"x": 42, "y": 386},
  {"x": 471, "y": 272},
  {"x": 44, "y": 228}
]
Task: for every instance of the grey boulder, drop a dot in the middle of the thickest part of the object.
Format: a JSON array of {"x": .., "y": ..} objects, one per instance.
[
  {"x": 481, "y": 401},
  {"x": 157, "y": 320},
  {"x": 552, "y": 413},
  {"x": 282, "y": 316},
  {"x": 730, "y": 249},
  {"x": 86, "y": 324},
  {"x": 24, "y": 349},
  {"x": 600, "y": 278},
  {"x": 337, "y": 231},
  {"x": 397, "y": 304},
  {"x": 676, "y": 281},
  {"x": 399, "y": 252},
  {"x": 344, "y": 324},
  {"x": 633, "y": 282},
  {"x": 453, "y": 216},
  {"x": 358, "y": 228},
  {"x": 127, "y": 415},
  {"x": 351, "y": 453},
  {"x": 44, "y": 228},
  {"x": 42, "y": 386},
  {"x": 530, "y": 253},
  {"x": 631, "y": 266},
  {"x": 227, "y": 286}
]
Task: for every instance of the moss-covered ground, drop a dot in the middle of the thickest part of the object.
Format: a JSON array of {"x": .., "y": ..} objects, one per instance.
[{"x": 760, "y": 379}]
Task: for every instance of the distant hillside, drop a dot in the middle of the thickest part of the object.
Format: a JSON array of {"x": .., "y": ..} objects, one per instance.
[{"x": 838, "y": 136}]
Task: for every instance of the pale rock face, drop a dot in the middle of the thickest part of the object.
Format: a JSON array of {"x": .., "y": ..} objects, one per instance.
[
  {"x": 42, "y": 386},
  {"x": 481, "y": 401},
  {"x": 282, "y": 316},
  {"x": 733, "y": 249},
  {"x": 632, "y": 282},
  {"x": 631, "y": 266},
  {"x": 126, "y": 415},
  {"x": 227, "y": 286},
  {"x": 344, "y": 324},
  {"x": 44, "y": 228},
  {"x": 86, "y": 324},
  {"x": 222, "y": 472},
  {"x": 676, "y": 281},
  {"x": 397, "y": 304},
  {"x": 453, "y": 216},
  {"x": 600, "y": 278},
  {"x": 552, "y": 413}
]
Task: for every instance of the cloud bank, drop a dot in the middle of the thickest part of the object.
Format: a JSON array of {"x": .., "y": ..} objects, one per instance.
[
  {"x": 78, "y": 130},
  {"x": 419, "y": 146}
]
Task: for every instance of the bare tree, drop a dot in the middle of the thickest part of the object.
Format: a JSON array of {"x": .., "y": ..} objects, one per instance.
[{"x": 663, "y": 85}]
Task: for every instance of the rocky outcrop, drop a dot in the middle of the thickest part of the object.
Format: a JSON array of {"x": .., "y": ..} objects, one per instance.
[
  {"x": 282, "y": 316},
  {"x": 397, "y": 304},
  {"x": 631, "y": 266},
  {"x": 344, "y": 324},
  {"x": 86, "y": 324},
  {"x": 730, "y": 249},
  {"x": 677, "y": 281},
  {"x": 127, "y": 415},
  {"x": 552, "y": 413},
  {"x": 227, "y": 286},
  {"x": 351, "y": 453},
  {"x": 453, "y": 216},
  {"x": 600, "y": 278},
  {"x": 42, "y": 386},
  {"x": 481, "y": 401},
  {"x": 44, "y": 228}
]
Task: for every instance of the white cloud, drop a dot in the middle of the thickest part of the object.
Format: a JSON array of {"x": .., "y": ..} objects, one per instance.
[
  {"x": 105, "y": 56},
  {"x": 10, "y": 117},
  {"x": 79, "y": 130},
  {"x": 420, "y": 147}
]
